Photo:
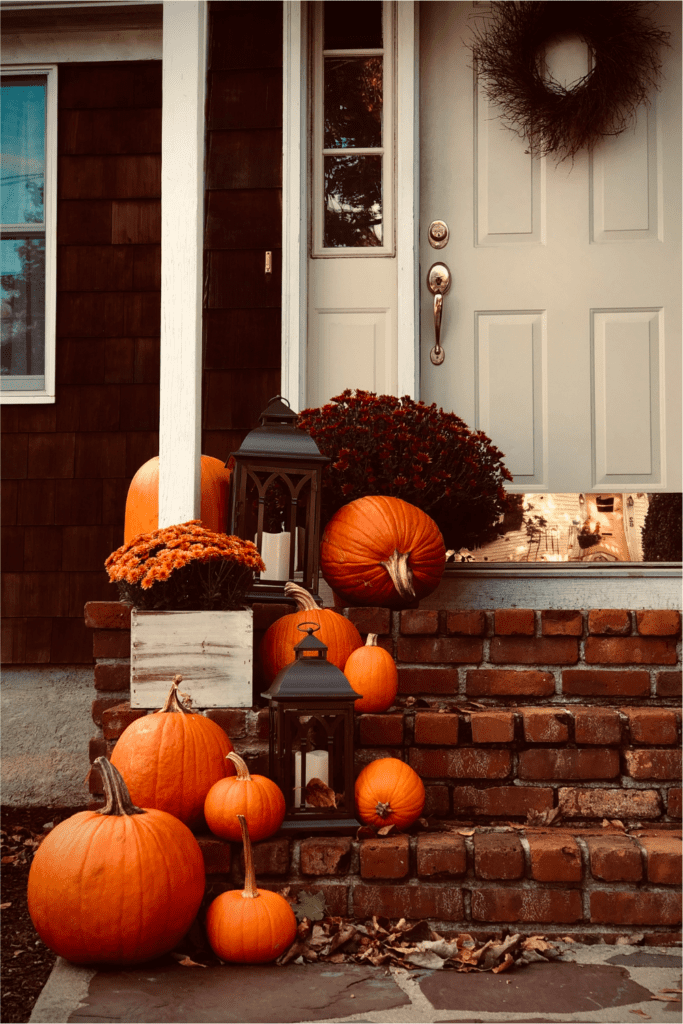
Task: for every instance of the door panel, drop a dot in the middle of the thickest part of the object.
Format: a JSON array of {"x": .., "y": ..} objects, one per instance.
[{"x": 561, "y": 330}]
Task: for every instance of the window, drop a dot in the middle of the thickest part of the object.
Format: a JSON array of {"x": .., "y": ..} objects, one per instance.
[
  {"x": 28, "y": 243},
  {"x": 353, "y": 129}
]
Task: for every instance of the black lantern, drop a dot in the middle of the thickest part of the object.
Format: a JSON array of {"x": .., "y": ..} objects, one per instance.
[
  {"x": 311, "y": 704},
  {"x": 275, "y": 501}
]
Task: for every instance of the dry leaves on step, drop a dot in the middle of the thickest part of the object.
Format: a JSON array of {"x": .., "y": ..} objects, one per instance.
[
  {"x": 409, "y": 946},
  {"x": 320, "y": 795},
  {"x": 185, "y": 961},
  {"x": 641, "y": 1013}
]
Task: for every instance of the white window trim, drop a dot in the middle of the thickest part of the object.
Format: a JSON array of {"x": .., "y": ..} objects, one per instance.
[{"x": 45, "y": 395}]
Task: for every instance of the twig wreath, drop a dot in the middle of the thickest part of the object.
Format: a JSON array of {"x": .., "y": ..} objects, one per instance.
[{"x": 625, "y": 65}]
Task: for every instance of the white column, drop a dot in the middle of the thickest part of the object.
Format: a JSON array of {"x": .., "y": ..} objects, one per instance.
[
  {"x": 294, "y": 191},
  {"x": 182, "y": 206},
  {"x": 407, "y": 199}
]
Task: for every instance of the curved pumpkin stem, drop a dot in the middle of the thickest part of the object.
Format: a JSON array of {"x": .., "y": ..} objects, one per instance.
[
  {"x": 116, "y": 795},
  {"x": 383, "y": 810},
  {"x": 242, "y": 770},
  {"x": 401, "y": 573},
  {"x": 304, "y": 600},
  {"x": 250, "y": 891},
  {"x": 371, "y": 640},
  {"x": 173, "y": 701}
]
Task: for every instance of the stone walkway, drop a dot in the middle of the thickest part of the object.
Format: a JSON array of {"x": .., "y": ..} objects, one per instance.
[{"x": 589, "y": 983}]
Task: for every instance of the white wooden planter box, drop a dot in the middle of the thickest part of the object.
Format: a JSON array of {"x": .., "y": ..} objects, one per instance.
[{"x": 212, "y": 651}]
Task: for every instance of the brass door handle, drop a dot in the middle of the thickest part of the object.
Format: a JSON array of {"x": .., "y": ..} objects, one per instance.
[{"x": 439, "y": 283}]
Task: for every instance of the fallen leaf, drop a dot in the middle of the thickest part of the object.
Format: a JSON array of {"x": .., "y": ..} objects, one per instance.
[
  {"x": 666, "y": 999},
  {"x": 640, "y": 1012},
  {"x": 338, "y": 958},
  {"x": 671, "y": 989},
  {"x": 320, "y": 795},
  {"x": 410, "y": 701},
  {"x": 310, "y": 906},
  {"x": 184, "y": 961},
  {"x": 618, "y": 824},
  {"x": 9, "y": 860},
  {"x": 385, "y": 830},
  {"x": 365, "y": 831},
  {"x": 568, "y": 938},
  {"x": 507, "y": 962},
  {"x": 466, "y": 831},
  {"x": 4, "y": 906}
]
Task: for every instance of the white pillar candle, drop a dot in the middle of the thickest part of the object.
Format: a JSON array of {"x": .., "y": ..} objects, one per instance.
[
  {"x": 275, "y": 554},
  {"x": 317, "y": 767}
]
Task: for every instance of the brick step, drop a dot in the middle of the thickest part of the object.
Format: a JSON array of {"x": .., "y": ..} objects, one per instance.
[{"x": 591, "y": 883}]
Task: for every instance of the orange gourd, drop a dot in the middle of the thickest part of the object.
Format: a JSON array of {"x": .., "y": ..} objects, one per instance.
[
  {"x": 389, "y": 792},
  {"x": 252, "y": 926},
  {"x": 277, "y": 647},
  {"x": 142, "y": 503},
  {"x": 372, "y": 672},
  {"x": 171, "y": 759},
  {"x": 259, "y": 799},
  {"x": 118, "y": 885},
  {"x": 380, "y": 550}
]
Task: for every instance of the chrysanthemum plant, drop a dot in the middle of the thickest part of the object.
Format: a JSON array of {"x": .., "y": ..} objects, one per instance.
[
  {"x": 379, "y": 444},
  {"x": 185, "y": 568}
]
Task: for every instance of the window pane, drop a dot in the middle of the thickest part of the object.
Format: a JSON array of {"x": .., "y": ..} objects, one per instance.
[
  {"x": 353, "y": 102},
  {"x": 353, "y": 26},
  {"x": 23, "y": 150},
  {"x": 22, "y": 280},
  {"x": 586, "y": 528},
  {"x": 353, "y": 201}
]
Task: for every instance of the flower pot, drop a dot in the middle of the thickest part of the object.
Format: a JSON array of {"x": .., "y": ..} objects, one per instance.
[{"x": 211, "y": 650}]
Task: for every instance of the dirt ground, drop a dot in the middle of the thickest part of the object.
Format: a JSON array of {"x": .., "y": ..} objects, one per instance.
[{"x": 26, "y": 962}]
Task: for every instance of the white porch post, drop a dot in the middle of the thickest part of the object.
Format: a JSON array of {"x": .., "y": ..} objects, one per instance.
[
  {"x": 408, "y": 199},
  {"x": 182, "y": 206}
]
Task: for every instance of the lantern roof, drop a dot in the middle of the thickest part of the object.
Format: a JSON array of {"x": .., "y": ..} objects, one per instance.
[
  {"x": 278, "y": 436},
  {"x": 311, "y": 675}
]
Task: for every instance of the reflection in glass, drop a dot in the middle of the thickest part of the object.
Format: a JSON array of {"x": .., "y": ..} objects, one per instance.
[
  {"x": 22, "y": 292},
  {"x": 353, "y": 201},
  {"x": 23, "y": 150},
  {"x": 586, "y": 528},
  {"x": 353, "y": 26},
  {"x": 353, "y": 102}
]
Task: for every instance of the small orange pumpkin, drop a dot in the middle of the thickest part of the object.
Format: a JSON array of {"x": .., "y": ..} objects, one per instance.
[
  {"x": 389, "y": 792},
  {"x": 372, "y": 672},
  {"x": 258, "y": 798},
  {"x": 277, "y": 647},
  {"x": 119, "y": 885},
  {"x": 171, "y": 759},
  {"x": 142, "y": 503},
  {"x": 253, "y": 926},
  {"x": 380, "y": 550}
]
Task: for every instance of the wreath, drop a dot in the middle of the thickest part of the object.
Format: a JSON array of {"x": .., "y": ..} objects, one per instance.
[{"x": 625, "y": 65}]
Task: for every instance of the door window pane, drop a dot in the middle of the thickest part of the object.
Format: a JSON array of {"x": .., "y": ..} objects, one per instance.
[
  {"x": 353, "y": 201},
  {"x": 23, "y": 150},
  {"x": 353, "y": 26},
  {"x": 353, "y": 102},
  {"x": 22, "y": 280}
]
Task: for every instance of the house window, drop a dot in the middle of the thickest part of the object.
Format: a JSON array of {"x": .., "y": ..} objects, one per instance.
[
  {"x": 353, "y": 129},
  {"x": 27, "y": 246}
]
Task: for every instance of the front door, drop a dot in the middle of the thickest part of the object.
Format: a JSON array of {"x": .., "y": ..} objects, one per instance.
[{"x": 561, "y": 329}]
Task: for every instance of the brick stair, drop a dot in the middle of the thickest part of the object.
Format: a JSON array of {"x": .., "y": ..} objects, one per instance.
[{"x": 549, "y": 745}]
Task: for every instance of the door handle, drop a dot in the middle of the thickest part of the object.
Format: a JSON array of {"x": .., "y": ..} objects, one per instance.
[{"x": 439, "y": 283}]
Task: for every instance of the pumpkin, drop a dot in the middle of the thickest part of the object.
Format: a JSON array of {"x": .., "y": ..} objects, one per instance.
[
  {"x": 277, "y": 647},
  {"x": 142, "y": 503},
  {"x": 389, "y": 792},
  {"x": 259, "y": 799},
  {"x": 118, "y": 885},
  {"x": 252, "y": 926},
  {"x": 171, "y": 759},
  {"x": 372, "y": 672},
  {"x": 380, "y": 550}
]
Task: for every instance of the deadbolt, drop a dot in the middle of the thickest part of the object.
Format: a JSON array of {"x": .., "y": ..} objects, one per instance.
[{"x": 438, "y": 234}]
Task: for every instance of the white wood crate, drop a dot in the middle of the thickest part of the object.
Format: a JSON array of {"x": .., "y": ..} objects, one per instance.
[{"x": 212, "y": 651}]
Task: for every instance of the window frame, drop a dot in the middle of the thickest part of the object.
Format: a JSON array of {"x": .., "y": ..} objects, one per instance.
[
  {"x": 46, "y": 394},
  {"x": 318, "y": 152}
]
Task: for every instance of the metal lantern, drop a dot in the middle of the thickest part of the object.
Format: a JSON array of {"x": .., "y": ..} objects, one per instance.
[
  {"x": 275, "y": 501},
  {"x": 311, "y": 705}
]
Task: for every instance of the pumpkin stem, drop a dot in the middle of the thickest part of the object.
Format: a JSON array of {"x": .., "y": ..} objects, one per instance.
[
  {"x": 304, "y": 600},
  {"x": 383, "y": 810},
  {"x": 242, "y": 770},
  {"x": 401, "y": 573},
  {"x": 250, "y": 891},
  {"x": 116, "y": 795},
  {"x": 371, "y": 640},
  {"x": 173, "y": 701}
]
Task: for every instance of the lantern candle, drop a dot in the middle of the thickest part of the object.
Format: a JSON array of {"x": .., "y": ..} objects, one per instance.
[
  {"x": 275, "y": 553},
  {"x": 317, "y": 767}
]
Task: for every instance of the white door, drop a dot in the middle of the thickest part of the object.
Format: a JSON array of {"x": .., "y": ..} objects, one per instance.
[{"x": 561, "y": 330}]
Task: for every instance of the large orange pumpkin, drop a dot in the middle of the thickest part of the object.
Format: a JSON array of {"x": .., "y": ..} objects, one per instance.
[
  {"x": 254, "y": 926},
  {"x": 389, "y": 792},
  {"x": 119, "y": 885},
  {"x": 171, "y": 759},
  {"x": 277, "y": 647},
  {"x": 380, "y": 550},
  {"x": 142, "y": 503},
  {"x": 372, "y": 673}
]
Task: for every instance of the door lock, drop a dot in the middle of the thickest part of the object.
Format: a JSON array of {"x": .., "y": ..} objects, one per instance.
[{"x": 438, "y": 234}]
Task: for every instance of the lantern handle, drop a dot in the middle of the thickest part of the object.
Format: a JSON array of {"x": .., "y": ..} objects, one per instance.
[{"x": 315, "y": 626}]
